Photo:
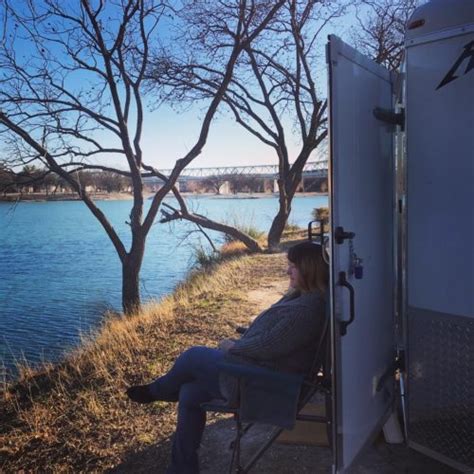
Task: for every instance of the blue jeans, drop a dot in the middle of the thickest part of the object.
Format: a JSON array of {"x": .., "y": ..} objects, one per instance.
[{"x": 193, "y": 379}]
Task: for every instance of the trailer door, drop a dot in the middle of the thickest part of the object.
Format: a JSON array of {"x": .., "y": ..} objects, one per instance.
[{"x": 361, "y": 172}]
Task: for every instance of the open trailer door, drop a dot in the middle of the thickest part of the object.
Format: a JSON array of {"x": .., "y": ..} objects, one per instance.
[{"x": 362, "y": 293}]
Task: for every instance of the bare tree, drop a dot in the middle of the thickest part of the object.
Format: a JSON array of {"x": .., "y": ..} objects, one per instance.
[
  {"x": 381, "y": 32},
  {"x": 71, "y": 96},
  {"x": 244, "y": 183},
  {"x": 7, "y": 179},
  {"x": 273, "y": 94},
  {"x": 214, "y": 182}
]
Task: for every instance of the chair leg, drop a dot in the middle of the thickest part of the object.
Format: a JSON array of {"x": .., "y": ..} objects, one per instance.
[
  {"x": 235, "y": 460},
  {"x": 262, "y": 450},
  {"x": 402, "y": 402},
  {"x": 243, "y": 431}
]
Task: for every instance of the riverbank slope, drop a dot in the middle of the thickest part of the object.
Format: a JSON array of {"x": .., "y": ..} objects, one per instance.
[{"x": 75, "y": 416}]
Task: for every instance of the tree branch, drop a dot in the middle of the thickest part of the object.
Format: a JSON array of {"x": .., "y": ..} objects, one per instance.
[{"x": 54, "y": 166}]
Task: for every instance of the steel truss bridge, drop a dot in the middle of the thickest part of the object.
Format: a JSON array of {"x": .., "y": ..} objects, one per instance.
[{"x": 312, "y": 169}]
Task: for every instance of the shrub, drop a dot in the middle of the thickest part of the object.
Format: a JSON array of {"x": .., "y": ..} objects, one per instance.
[
  {"x": 291, "y": 227},
  {"x": 205, "y": 257},
  {"x": 247, "y": 227},
  {"x": 321, "y": 213}
]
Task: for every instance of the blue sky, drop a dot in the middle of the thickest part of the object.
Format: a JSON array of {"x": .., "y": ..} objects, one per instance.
[{"x": 168, "y": 135}]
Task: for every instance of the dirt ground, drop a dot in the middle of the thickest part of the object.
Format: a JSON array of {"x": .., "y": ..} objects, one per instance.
[
  {"x": 263, "y": 297},
  {"x": 215, "y": 455}
]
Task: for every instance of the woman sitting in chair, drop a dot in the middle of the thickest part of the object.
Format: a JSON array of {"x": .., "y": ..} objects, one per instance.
[{"x": 283, "y": 338}]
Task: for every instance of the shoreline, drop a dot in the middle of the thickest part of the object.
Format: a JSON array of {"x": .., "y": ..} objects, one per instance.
[{"x": 41, "y": 197}]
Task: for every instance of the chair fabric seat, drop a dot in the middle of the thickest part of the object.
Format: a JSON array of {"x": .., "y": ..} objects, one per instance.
[{"x": 265, "y": 395}]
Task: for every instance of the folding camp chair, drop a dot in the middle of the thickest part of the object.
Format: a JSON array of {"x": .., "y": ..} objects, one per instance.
[{"x": 289, "y": 394}]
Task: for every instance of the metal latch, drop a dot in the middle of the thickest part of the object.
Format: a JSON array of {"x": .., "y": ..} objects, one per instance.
[
  {"x": 390, "y": 116},
  {"x": 340, "y": 235}
]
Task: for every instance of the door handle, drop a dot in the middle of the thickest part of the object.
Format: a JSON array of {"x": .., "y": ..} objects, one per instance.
[
  {"x": 343, "y": 282},
  {"x": 340, "y": 235}
]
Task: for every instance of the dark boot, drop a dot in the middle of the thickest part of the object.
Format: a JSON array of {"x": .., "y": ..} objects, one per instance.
[{"x": 140, "y": 394}]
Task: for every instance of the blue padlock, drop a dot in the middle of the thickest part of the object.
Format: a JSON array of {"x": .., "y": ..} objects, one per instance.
[{"x": 358, "y": 268}]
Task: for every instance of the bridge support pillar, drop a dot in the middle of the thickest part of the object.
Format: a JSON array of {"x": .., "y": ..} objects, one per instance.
[
  {"x": 224, "y": 188},
  {"x": 301, "y": 186},
  {"x": 275, "y": 186}
]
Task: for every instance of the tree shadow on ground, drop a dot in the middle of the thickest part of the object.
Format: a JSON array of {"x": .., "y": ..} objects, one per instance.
[
  {"x": 215, "y": 456},
  {"x": 153, "y": 459},
  {"x": 279, "y": 459}
]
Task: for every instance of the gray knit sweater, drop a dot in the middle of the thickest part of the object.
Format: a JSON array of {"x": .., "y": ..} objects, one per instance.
[{"x": 284, "y": 337}]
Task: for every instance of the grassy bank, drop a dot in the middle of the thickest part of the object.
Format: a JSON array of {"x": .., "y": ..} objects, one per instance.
[{"x": 75, "y": 417}]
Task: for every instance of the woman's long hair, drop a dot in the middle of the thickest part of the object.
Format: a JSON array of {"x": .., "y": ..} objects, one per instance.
[{"x": 314, "y": 271}]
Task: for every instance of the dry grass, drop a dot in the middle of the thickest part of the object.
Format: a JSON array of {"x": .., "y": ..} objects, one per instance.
[
  {"x": 233, "y": 248},
  {"x": 293, "y": 233},
  {"x": 74, "y": 416}
]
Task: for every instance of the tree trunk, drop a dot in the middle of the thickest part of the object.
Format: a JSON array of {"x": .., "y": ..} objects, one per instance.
[
  {"x": 287, "y": 188},
  {"x": 278, "y": 226},
  {"x": 286, "y": 192},
  {"x": 131, "y": 266}
]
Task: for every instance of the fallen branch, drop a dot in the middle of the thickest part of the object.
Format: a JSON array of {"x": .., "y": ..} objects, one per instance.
[
  {"x": 168, "y": 217},
  {"x": 207, "y": 223}
]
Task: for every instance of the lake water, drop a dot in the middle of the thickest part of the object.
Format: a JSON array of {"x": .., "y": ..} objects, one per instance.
[{"x": 59, "y": 272}]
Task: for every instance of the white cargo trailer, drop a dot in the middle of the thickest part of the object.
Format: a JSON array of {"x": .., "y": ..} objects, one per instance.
[{"x": 402, "y": 238}]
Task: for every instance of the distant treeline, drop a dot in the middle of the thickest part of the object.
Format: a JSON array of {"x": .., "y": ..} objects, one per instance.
[{"x": 36, "y": 180}]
